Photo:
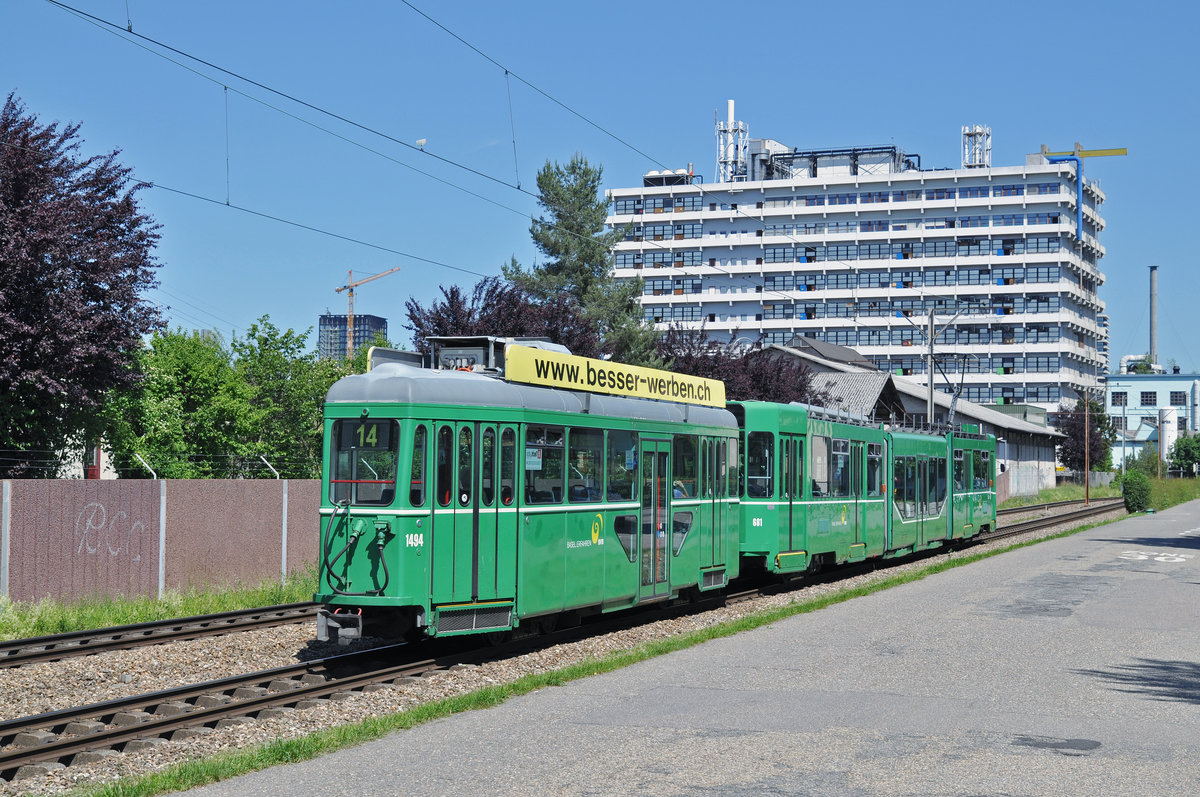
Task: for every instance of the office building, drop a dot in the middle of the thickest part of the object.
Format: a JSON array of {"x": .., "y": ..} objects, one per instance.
[
  {"x": 858, "y": 246},
  {"x": 331, "y": 333}
]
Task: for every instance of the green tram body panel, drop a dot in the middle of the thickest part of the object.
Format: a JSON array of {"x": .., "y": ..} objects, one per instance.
[
  {"x": 427, "y": 542},
  {"x": 822, "y": 490}
]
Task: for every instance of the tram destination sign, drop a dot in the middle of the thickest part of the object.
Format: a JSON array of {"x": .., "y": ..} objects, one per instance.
[{"x": 552, "y": 369}]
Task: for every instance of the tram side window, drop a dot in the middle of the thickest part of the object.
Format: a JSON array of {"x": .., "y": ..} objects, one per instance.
[
  {"x": 910, "y": 486},
  {"x": 960, "y": 471},
  {"x": 939, "y": 482},
  {"x": 466, "y": 454},
  {"x": 544, "y": 457},
  {"x": 735, "y": 471},
  {"x": 720, "y": 452},
  {"x": 622, "y": 460},
  {"x": 840, "y": 482},
  {"x": 416, "y": 476},
  {"x": 798, "y": 470},
  {"x": 508, "y": 466},
  {"x": 445, "y": 465},
  {"x": 760, "y": 465},
  {"x": 625, "y": 527},
  {"x": 899, "y": 484},
  {"x": 585, "y": 473},
  {"x": 820, "y": 467},
  {"x": 487, "y": 467},
  {"x": 366, "y": 454},
  {"x": 686, "y": 467},
  {"x": 681, "y": 524},
  {"x": 874, "y": 470},
  {"x": 981, "y": 470}
]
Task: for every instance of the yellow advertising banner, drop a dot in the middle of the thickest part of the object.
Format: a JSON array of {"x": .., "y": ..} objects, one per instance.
[{"x": 549, "y": 368}]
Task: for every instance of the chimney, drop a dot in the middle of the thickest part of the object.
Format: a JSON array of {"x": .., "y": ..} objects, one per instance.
[{"x": 1153, "y": 315}]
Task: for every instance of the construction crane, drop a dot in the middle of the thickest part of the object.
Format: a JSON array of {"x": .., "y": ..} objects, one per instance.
[
  {"x": 1061, "y": 157},
  {"x": 350, "y": 286}
]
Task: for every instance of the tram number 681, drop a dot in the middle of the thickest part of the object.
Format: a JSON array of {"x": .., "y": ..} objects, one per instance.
[
  {"x": 414, "y": 540},
  {"x": 756, "y": 521}
]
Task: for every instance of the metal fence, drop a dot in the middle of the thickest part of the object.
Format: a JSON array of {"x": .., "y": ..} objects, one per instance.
[{"x": 72, "y": 539}]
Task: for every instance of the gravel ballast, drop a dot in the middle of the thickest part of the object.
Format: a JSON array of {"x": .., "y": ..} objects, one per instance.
[{"x": 56, "y": 685}]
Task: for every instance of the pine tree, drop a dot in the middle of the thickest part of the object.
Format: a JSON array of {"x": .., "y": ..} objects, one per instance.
[{"x": 578, "y": 265}]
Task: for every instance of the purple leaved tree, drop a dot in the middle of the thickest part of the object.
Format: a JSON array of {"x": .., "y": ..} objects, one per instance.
[{"x": 75, "y": 258}]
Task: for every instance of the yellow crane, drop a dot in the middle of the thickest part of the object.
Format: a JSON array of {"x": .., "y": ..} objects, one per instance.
[
  {"x": 350, "y": 286},
  {"x": 1080, "y": 152},
  {"x": 1078, "y": 155}
]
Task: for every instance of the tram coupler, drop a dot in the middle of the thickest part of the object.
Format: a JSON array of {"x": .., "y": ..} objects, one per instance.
[{"x": 339, "y": 625}]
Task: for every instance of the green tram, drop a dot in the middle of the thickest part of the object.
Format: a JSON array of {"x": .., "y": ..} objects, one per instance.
[
  {"x": 455, "y": 502},
  {"x": 816, "y": 488}
]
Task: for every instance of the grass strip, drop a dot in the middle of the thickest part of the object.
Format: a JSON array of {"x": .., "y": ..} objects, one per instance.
[
  {"x": 191, "y": 774},
  {"x": 21, "y": 620}
]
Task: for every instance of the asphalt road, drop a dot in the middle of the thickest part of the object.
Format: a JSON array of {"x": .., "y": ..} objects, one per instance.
[{"x": 1071, "y": 667}]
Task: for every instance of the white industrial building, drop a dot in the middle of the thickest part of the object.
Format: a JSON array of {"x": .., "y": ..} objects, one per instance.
[{"x": 858, "y": 246}]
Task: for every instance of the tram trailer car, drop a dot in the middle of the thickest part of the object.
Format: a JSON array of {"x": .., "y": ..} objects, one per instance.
[
  {"x": 454, "y": 502},
  {"x": 816, "y": 488}
]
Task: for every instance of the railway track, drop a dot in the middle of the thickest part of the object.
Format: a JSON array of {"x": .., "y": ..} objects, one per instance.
[
  {"x": 81, "y": 643},
  {"x": 1096, "y": 508},
  {"x": 90, "y": 733},
  {"x": 1023, "y": 510}
]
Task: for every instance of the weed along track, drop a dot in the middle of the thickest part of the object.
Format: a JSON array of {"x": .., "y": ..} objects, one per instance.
[{"x": 19, "y": 652}]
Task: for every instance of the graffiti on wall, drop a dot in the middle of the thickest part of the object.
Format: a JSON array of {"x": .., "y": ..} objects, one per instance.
[{"x": 101, "y": 531}]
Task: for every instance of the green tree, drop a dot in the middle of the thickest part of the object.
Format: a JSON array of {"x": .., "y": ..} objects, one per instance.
[
  {"x": 570, "y": 234},
  {"x": 1101, "y": 435},
  {"x": 1146, "y": 461},
  {"x": 1185, "y": 453},
  {"x": 187, "y": 416},
  {"x": 286, "y": 387},
  {"x": 1135, "y": 488}
]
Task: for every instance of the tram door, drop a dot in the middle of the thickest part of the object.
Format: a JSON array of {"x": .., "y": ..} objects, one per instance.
[
  {"x": 857, "y": 492},
  {"x": 655, "y": 541},
  {"x": 472, "y": 541},
  {"x": 922, "y": 498},
  {"x": 791, "y": 484}
]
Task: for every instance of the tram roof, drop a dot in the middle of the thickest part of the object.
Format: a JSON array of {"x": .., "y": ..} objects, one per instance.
[{"x": 405, "y": 384}]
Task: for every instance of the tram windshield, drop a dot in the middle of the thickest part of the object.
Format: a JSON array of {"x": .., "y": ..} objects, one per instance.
[{"x": 363, "y": 470}]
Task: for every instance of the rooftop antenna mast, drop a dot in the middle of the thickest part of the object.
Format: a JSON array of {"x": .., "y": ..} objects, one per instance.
[
  {"x": 732, "y": 146},
  {"x": 350, "y": 286}
]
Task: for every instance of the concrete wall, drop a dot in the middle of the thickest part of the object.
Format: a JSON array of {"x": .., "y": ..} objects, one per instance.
[{"x": 71, "y": 539}]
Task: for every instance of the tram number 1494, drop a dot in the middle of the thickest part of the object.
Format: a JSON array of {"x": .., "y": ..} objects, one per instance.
[{"x": 414, "y": 540}]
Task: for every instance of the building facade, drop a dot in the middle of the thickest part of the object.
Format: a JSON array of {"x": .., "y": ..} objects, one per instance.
[
  {"x": 331, "y": 333},
  {"x": 859, "y": 246},
  {"x": 1151, "y": 408}
]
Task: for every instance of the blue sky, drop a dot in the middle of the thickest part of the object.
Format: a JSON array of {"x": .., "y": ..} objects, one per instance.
[{"x": 651, "y": 75}]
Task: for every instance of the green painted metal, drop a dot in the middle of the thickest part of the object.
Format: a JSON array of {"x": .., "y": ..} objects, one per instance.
[{"x": 468, "y": 506}]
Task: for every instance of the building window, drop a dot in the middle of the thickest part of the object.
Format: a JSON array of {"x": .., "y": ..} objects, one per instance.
[
  {"x": 1008, "y": 190},
  {"x": 1120, "y": 398},
  {"x": 1182, "y": 425},
  {"x": 1118, "y": 423},
  {"x": 1178, "y": 398},
  {"x": 1149, "y": 398},
  {"x": 973, "y": 191},
  {"x": 626, "y": 207},
  {"x": 939, "y": 193}
]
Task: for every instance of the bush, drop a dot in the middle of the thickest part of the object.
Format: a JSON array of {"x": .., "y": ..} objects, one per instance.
[{"x": 1136, "y": 487}]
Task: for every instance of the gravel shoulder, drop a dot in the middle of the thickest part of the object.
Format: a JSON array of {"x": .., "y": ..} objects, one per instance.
[{"x": 106, "y": 676}]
